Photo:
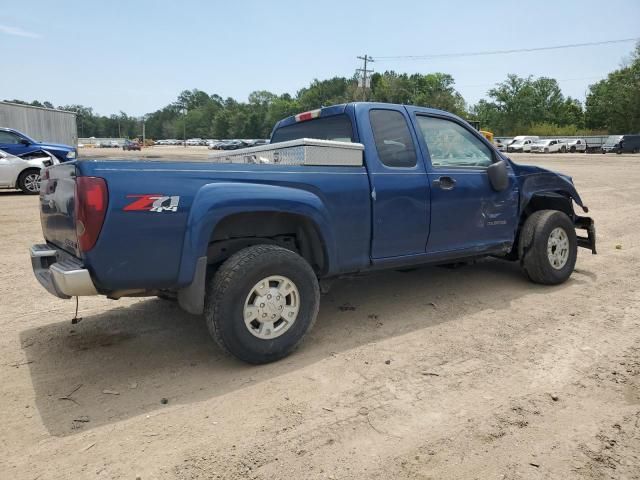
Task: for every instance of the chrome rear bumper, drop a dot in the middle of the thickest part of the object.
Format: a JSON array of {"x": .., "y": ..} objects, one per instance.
[{"x": 59, "y": 273}]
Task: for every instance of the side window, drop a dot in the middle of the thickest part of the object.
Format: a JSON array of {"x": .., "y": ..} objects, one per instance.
[
  {"x": 393, "y": 139},
  {"x": 9, "y": 138},
  {"x": 452, "y": 145}
]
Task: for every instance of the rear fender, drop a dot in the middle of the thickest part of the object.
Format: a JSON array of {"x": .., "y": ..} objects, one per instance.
[{"x": 216, "y": 201}]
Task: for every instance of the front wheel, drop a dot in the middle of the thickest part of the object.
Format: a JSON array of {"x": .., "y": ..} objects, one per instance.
[
  {"x": 29, "y": 182},
  {"x": 548, "y": 247},
  {"x": 261, "y": 302}
]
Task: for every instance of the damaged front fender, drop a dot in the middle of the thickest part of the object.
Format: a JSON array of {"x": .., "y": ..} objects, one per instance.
[
  {"x": 541, "y": 189},
  {"x": 534, "y": 181}
]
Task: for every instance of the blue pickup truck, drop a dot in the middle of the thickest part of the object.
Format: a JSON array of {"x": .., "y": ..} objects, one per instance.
[{"x": 344, "y": 189}]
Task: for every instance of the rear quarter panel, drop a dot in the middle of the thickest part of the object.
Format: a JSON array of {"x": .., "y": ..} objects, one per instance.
[{"x": 144, "y": 249}]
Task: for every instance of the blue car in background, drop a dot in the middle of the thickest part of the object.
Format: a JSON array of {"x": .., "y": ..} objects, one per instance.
[{"x": 18, "y": 144}]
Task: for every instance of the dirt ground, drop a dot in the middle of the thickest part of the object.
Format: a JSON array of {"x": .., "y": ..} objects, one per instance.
[{"x": 429, "y": 374}]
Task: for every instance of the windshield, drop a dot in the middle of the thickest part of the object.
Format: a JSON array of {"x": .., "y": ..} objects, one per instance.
[
  {"x": 612, "y": 139},
  {"x": 335, "y": 127}
]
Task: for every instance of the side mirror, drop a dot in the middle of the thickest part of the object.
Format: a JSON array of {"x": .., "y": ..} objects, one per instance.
[
  {"x": 498, "y": 175},
  {"x": 24, "y": 141}
]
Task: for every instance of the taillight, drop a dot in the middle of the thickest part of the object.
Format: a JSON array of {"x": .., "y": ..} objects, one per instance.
[{"x": 91, "y": 202}]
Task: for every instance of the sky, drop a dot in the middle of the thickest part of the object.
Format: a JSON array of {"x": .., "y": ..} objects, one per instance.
[{"x": 136, "y": 56}]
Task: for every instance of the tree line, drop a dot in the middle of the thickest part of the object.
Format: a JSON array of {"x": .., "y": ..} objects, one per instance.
[{"x": 515, "y": 106}]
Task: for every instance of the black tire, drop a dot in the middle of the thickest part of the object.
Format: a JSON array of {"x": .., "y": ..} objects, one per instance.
[
  {"x": 532, "y": 247},
  {"x": 563, "y": 150},
  {"x": 26, "y": 181},
  {"x": 572, "y": 149},
  {"x": 228, "y": 290}
]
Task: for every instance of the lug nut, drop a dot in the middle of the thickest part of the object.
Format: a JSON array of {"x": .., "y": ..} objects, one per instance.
[{"x": 269, "y": 296}]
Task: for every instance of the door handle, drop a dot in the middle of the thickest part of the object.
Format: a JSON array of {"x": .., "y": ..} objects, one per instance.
[{"x": 445, "y": 183}]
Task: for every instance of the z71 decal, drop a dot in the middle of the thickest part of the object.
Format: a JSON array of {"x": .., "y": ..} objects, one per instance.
[{"x": 153, "y": 203}]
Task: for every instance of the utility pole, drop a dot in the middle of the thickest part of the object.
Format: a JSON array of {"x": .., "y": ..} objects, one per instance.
[
  {"x": 364, "y": 72},
  {"x": 184, "y": 128}
]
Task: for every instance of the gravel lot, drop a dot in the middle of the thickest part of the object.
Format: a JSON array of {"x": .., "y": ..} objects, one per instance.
[{"x": 432, "y": 373}]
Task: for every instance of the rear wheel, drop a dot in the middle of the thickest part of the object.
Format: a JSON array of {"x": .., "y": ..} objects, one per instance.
[
  {"x": 29, "y": 182},
  {"x": 548, "y": 247},
  {"x": 563, "y": 150},
  {"x": 261, "y": 302},
  {"x": 572, "y": 149}
]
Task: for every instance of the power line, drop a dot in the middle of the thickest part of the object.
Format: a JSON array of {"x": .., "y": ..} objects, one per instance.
[{"x": 502, "y": 52}]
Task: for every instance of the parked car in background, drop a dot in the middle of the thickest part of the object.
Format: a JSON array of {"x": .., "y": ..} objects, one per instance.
[
  {"x": 24, "y": 173},
  {"x": 521, "y": 143},
  {"x": 500, "y": 144},
  {"x": 128, "y": 145},
  {"x": 549, "y": 146},
  {"x": 577, "y": 145},
  {"x": 18, "y": 144},
  {"x": 622, "y": 144}
]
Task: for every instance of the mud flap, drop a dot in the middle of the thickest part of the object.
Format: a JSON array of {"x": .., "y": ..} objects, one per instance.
[{"x": 191, "y": 298}]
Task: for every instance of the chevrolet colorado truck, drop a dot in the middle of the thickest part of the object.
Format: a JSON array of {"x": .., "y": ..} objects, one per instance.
[{"x": 247, "y": 237}]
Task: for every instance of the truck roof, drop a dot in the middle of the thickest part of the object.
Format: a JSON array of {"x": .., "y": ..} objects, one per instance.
[{"x": 342, "y": 107}]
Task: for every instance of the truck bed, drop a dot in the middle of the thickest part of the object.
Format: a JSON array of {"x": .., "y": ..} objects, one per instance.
[{"x": 157, "y": 249}]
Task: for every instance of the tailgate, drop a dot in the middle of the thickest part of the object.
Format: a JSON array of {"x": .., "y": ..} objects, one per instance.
[{"x": 57, "y": 206}]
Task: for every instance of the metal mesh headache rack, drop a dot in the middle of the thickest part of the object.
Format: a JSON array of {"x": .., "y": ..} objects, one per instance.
[{"x": 303, "y": 151}]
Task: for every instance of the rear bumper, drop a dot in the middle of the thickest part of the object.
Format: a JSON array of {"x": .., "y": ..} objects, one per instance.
[{"x": 59, "y": 273}]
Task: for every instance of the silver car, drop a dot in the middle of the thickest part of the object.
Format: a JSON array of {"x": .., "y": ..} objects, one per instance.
[{"x": 24, "y": 173}]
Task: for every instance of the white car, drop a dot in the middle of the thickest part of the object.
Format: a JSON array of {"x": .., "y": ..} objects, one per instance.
[
  {"x": 577, "y": 145},
  {"x": 23, "y": 173},
  {"x": 549, "y": 146},
  {"x": 521, "y": 143}
]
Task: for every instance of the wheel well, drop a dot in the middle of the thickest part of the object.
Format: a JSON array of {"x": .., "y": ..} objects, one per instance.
[
  {"x": 542, "y": 201},
  {"x": 25, "y": 172},
  {"x": 291, "y": 231},
  {"x": 548, "y": 201}
]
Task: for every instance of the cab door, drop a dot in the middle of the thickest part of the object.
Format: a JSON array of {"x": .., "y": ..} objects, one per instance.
[
  {"x": 400, "y": 192},
  {"x": 467, "y": 214}
]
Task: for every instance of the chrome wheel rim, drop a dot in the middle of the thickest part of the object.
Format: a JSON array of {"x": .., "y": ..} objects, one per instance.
[
  {"x": 558, "y": 248},
  {"x": 272, "y": 307},
  {"x": 32, "y": 182}
]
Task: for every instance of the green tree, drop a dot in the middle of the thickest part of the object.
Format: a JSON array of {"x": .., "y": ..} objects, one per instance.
[{"x": 614, "y": 103}]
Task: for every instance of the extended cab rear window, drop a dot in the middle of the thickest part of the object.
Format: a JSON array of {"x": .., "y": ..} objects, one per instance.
[{"x": 335, "y": 127}]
